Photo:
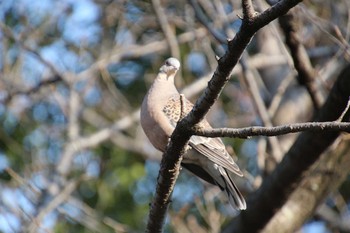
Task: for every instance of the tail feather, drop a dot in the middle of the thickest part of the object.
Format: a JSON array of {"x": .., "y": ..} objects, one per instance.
[
  {"x": 215, "y": 174},
  {"x": 234, "y": 195}
]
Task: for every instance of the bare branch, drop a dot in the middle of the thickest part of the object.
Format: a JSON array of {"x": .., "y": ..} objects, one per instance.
[
  {"x": 274, "y": 131},
  {"x": 90, "y": 215},
  {"x": 331, "y": 216},
  {"x": 318, "y": 182},
  {"x": 345, "y": 111},
  {"x": 248, "y": 10},
  {"x": 260, "y": 106},
  {"x": 306, "y": 150},
  {"x": 57, "y": 200},
  {"x": 9, "y": 33},
  {"x": 277, "y": 10},
  {"x": 43, "y": 83},
  {"x": 164, "y": 24},
  {"x": 116, "y": 55},
  {"x": 306, "y": 73},
  {"x": 73, "y": 117},
  {"x": 183, "y": 106},
  {"x": 202, "y": 19},
  {"x": 57, "y": 76}
]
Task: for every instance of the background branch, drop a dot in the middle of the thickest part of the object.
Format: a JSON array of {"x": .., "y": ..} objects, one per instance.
[
  {"x": 168, "y": 32},
  {"x": 306, "y": 150},
  {"x": 306, "y": 74},
  {"x": 319, "y": 181}
]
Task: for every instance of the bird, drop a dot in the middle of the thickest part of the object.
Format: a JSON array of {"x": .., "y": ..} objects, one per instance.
[{"x": 207, "y": 157}]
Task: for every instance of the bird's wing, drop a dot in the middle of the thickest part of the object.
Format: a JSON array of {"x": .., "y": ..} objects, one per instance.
[
  {"x": 173, "y": 107},
  {"x": 199, "y": 171},
  {"x": 212, "y": 148},
  {"x": 215, "y": 150}
]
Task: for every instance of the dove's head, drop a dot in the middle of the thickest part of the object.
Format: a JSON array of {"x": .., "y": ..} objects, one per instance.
[{"x": 170, "y": 67}]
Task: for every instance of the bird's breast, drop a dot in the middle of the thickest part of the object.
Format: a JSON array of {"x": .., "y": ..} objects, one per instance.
[{"x": 154, "y": 125}]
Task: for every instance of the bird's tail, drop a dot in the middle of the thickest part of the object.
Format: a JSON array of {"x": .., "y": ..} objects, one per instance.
[{"x": 234, "y": 195}]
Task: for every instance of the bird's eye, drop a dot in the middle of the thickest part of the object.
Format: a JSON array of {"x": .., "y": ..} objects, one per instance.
[{"x": 167, "y": 63}]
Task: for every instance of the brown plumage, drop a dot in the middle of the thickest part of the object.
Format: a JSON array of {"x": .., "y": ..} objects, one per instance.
[{"x": 208, "y": 158}]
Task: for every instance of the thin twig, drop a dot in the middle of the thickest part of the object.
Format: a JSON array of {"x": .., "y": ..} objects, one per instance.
[
  {"x": 202, "y": 19},
  {"x": 10, "y": 34},
  {"x": 34, "y": 89},
  {"x": 260, "y": 106},
  {"x": 57, "y": 76},
  {"x": 117, "y": 54},
  {"x": 53, "y": 204},
  {"x": 183, "y": 106},
  {"x": 93, "y": 215},
  {"x": 344, "y": 112},
  {"x": 73, "y": 117}
]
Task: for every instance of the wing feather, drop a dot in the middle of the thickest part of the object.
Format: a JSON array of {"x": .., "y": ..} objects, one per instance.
[
  {"x": 234, "y": 195},
  {"x": 212, "y": 148},
  {"x": 215, "y": 150}
]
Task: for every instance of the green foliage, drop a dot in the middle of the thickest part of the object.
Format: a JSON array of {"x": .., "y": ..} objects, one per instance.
[{"x": 112, "y": 193}]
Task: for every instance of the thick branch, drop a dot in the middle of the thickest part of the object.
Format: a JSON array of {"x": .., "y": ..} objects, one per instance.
[
  {"x": 306, "y": 150},
  {"x": 168, "y": 173},
  {"x": 324, "y": 177}
]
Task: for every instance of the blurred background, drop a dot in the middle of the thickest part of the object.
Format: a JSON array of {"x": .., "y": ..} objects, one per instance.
[{"x": 73, "y": 157}]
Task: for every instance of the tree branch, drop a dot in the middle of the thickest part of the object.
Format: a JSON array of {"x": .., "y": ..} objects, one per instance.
[
  {"x": 202, "y": 19},
  {"x": 117, "y": 54},
  {"x": 164, "y": 24},
  {"x": 43, "y": 83},
  {"x": 56, "y": 77},
  {"x": 248, "y": 10},
  {"x": 274, "y": 131},
  {"x": 324, "y": 177},
  {"x": 308, "y": 147},
  {"x": 260, "y": 107},
  {"x": 306, "y": 73}
]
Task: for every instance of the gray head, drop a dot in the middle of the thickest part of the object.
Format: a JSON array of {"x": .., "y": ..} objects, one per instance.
[{"x": 171, "y": 66}]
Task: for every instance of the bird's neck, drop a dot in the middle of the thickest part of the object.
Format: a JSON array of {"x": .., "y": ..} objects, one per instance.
[
  {"x": 164, "y": 84},
  {"x": 163, "y": 77}
]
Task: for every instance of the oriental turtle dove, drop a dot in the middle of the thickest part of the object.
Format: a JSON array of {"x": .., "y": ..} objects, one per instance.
[{"x": 207, "y": 158}]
